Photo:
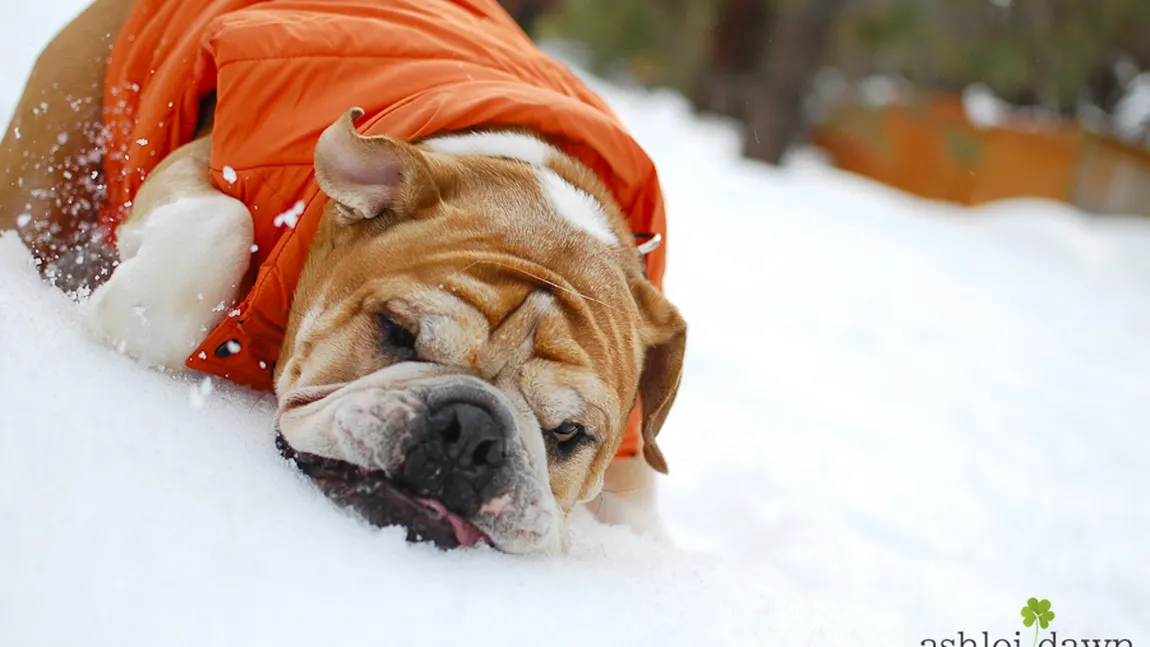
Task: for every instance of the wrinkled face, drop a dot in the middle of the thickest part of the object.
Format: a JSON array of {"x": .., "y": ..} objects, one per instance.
[{"x": 474, "y": 330}]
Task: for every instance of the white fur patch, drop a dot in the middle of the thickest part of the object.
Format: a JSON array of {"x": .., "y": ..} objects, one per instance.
[
  {"x": 576, "y": 206},
  {"x": 181, "y": 269},
  {"x": 517, "y": 146}
]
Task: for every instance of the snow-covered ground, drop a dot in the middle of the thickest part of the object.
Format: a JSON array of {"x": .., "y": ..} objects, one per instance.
[{"x": 899, "y": 420}]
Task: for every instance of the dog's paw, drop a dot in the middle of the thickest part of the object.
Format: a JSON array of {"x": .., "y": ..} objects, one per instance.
[
  {"x": 629, "y": 498},
  {"x": 183, "y": 265},
  {"x": 642, "y": 517}
]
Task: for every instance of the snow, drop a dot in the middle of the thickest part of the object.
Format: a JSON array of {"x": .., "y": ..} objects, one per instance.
[
  {"x": 1132, "y": 114},
  {"x": 984, "y": 108},
  {"x": 882, "y": 90},
  {"x": 291, "y": 216},
  {"x": 899, "y": 420}
]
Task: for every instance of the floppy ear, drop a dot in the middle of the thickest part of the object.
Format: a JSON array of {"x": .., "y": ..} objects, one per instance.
[
  {"x": 367, "y": 176},
  {"x": 665, "y": 336}
]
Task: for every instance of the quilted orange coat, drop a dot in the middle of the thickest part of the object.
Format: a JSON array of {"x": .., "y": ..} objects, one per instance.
[{"x": 284, "y": 70}]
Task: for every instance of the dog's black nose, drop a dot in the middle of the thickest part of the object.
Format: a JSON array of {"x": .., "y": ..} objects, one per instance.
[{"x": 457, "y": 457}]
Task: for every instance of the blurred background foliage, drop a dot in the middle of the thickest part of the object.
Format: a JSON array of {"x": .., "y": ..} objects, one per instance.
[
  {"x": 659, "y": 43},
  {"x": 757, "y": 60},
  {"x": 1050, "y": 53}
]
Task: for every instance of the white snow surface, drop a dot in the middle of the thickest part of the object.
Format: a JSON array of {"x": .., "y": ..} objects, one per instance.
[
  {"x": 1132, "y": 114},
  {"x": 984, "y": 108},
  {"x": 899, "y": 420}
]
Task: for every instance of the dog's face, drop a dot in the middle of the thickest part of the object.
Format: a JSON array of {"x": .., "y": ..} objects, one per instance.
[{"x": 475, "y": 328}]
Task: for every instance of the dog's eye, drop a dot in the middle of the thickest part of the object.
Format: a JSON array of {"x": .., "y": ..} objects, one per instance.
[
  {"x": 569, "y": 436},
  {"x": 394, "y": 335},
  {"x": 568, "y": 431}
]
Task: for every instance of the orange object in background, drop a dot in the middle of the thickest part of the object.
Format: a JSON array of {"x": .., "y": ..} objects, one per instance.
[{"x": 930, "y": 148}]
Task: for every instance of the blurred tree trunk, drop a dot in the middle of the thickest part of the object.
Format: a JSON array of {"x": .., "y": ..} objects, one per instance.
[
  {"x": 527, "y": 12},
  {"x": 723, "y": 82},
  {"x": 790, "y": 58}
]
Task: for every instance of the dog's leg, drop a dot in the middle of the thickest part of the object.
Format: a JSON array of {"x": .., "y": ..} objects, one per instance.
[
  {"x": 629, "y": 498},
  {"x": 50, "y": 158},
  {"x": 184, "y": 251}
]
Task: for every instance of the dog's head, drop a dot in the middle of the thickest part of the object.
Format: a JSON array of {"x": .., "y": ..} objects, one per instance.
[{"x": 473, "y": 322}]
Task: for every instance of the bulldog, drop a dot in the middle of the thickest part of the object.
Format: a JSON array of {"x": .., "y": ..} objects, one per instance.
[{"x": 471, "y": 325}]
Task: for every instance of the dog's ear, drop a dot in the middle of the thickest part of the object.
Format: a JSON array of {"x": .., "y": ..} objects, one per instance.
[
  {"x": 664, "y": 334},
  {"x": 367, "y": 176}
]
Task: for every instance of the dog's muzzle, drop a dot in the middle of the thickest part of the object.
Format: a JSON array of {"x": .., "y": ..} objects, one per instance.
[
  {"x": 381, "y": 503},
  {"x": 439, "y": 454}
]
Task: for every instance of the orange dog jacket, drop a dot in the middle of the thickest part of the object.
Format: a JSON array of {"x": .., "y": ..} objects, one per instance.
[{"x": 283, "y": 70}]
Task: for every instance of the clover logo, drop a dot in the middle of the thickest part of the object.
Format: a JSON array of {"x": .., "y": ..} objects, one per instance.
[{"x": 1037, "y": 611}]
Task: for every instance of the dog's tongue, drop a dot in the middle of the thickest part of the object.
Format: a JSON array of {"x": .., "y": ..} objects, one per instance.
[{"x": 465, "y": 532}]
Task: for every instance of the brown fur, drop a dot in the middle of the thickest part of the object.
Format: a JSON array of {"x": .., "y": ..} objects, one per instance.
[
  {"x": 470, "y": 229},
  {"x": 49, "y": 161}
]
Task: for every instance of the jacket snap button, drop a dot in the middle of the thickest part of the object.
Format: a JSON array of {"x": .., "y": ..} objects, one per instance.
[{"x": 228, "y": 348}]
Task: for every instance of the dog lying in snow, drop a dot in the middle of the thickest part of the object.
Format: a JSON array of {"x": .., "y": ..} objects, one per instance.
[{"x": 415, "y": 227}]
